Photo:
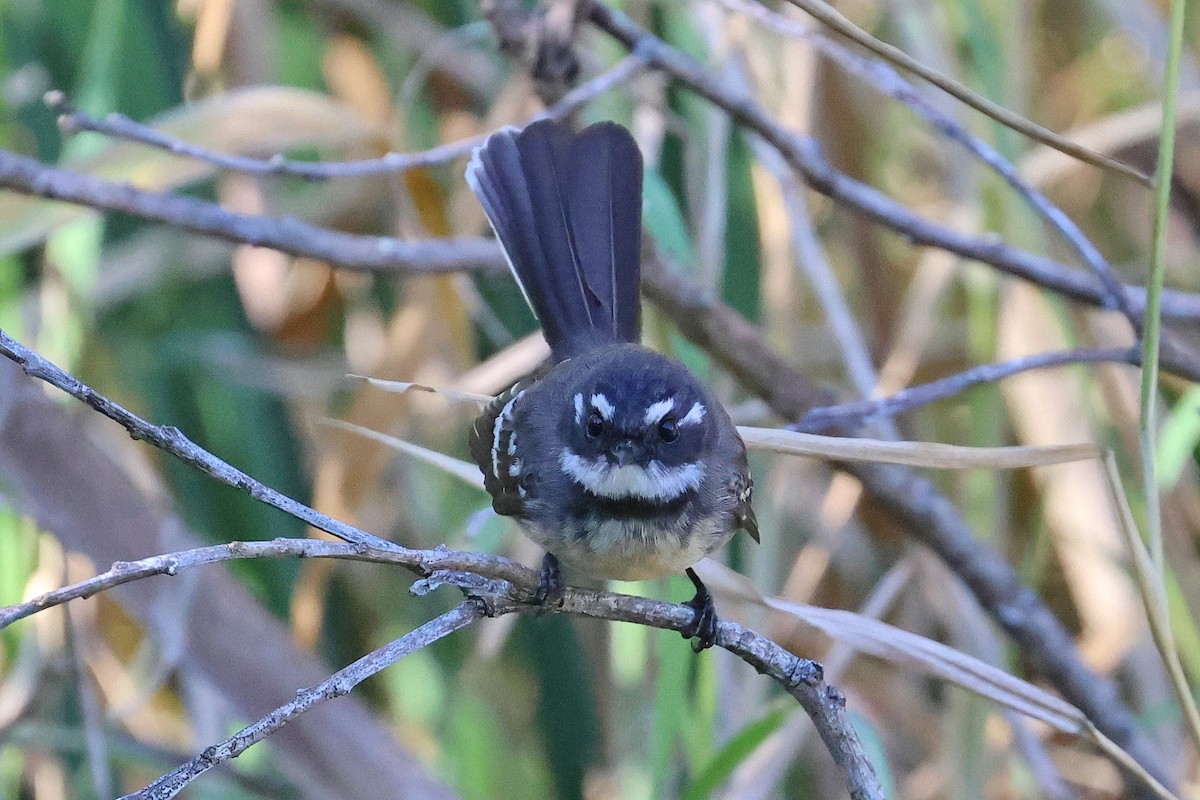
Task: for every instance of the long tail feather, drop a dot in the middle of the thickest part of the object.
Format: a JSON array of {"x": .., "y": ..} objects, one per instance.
[{"x": 567, "y": 210}]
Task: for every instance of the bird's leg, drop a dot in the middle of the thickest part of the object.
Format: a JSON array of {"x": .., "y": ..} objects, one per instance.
[
  {"x": 550, "y": 589},
  {"x": 703, "y": 628}
]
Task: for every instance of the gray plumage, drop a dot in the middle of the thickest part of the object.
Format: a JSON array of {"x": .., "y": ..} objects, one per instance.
[{"x": 615, "y": 459}]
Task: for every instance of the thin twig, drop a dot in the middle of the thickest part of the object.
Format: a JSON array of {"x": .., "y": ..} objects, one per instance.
[
  {"x": 888, "y": 81},
  {"x": 173, "y": 441},
  {"x": 801, "y": 678},
  {"x": 286, "y": 234},
  {"x": 505, "y": 587},
  {"x": 915, "y": 503},
  {"x": 850, "y": 415},
  {"x": 422, "y": 562},
  {"x": 830, "y": 17},
  {"x": 118, "y": 126},
  {"x": 336, "y": 685},
  {"x": 804, "y": 155}
]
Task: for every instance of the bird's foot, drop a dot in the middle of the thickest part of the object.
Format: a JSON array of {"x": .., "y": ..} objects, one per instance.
[
  {"x": 551, "y": 588},
  {"x": 703, "y": 627}
]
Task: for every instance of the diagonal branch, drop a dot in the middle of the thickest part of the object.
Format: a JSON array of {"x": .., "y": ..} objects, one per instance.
[
  {"x": 916, "y": 504},
  {"x": 804, "y": 155},
  {"x": 480, "y": 574},
  {"x": 336, "y": 685},
  {"x": 834, "y": 20},
  {"x": 173, "y": 441},
  {"x": 851, "y": 415},
  {"x": 888, "y": 81}
]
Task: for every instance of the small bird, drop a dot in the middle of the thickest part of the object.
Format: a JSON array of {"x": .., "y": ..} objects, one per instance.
[{"x": 615, "y": 458}]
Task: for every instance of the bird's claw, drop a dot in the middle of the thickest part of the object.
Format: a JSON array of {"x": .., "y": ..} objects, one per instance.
[
  {"x": 550, "y": 589},
  {"x": 703, "y": 627}
]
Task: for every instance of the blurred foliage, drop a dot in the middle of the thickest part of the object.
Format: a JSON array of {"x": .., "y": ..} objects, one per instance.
[{"x": 246, "y": 351}]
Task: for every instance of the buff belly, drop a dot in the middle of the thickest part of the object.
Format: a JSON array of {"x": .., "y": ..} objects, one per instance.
[{"x": 626, "y": 550}]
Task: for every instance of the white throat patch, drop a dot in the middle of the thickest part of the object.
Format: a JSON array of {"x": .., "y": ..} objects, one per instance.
[{"x": 653, "y": 482}]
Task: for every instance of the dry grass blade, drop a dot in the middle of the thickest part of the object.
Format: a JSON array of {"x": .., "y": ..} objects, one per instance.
[
  {"x": 898, "y": 646},
  {"x": 400, "y": 387},
  {"x": 467, "y": 473},
  {"x": 914, "y": 454},
  {"x": 1116, "y": 131},
  {"x": 869, "y": 635},
  {"x": 1154, "y": 596}
]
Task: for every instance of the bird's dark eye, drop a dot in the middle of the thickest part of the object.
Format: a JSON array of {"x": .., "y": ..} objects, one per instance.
[
  {"x": 668, "y": 429},
  {"x": 595, "y": 425}
]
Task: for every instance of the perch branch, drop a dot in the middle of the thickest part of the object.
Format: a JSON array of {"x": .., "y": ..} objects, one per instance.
[
  {"x": 503, "y": 586},
  {"x": 511, "y": 591},
  {"x": 485, "y": 573},
  {"x": 422, "y": 562}
]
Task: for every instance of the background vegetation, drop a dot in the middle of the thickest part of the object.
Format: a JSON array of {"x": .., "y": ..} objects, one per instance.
[{"x": 247, "y": 350}]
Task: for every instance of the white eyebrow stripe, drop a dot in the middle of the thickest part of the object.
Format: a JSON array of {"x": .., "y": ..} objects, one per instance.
[
  {"x": 695, "y": 414},
  {"x": 579, "y": 409},
  {"x": 601, "y": 404},
  {"x": 657, "y": 411}
]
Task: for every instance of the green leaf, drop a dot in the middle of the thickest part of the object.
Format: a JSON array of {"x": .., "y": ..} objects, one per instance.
[
  {"x": 663, "y": 218},
  {"x": 1178, "y": 437},
  {"x": 737, "y": 750},
  {"x": 875, "y": 751}
]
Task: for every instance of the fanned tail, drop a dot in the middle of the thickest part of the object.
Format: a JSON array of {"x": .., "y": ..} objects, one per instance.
[{"x": 567, "y": 210}]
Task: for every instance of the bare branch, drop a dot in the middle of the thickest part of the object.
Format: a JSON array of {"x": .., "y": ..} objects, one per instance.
[
  {"x": 338, "y": 684},
  {"x": 504, "y": 586},
  {"x": 804, "y": 155},
  {"x": 832, "y": 18},
  {"x": 888, "y": 81},
  {"x": 173, "y": 441},
  {"x": 850, "y": 415},
  {"x": 286, "y": 234},
  {"x": 422, "y": 562},
  {"x": 916, "y": 504},
  {"x": 118, "y": 126}
]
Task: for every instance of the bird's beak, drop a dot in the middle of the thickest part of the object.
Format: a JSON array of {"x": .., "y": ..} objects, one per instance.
[{"x": 625, "y": 453}]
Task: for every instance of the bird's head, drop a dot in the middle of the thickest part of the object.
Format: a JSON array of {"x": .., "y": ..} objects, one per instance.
[{"x": 637, "y": 428}]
